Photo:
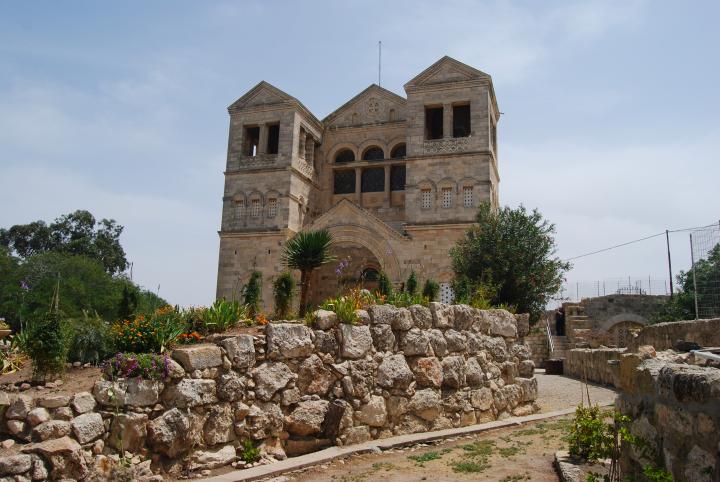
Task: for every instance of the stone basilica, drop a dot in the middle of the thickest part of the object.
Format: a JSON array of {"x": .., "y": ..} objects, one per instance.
[{"x": 396, "y": 180}]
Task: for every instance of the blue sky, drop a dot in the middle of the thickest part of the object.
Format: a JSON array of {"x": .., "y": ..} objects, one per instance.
[{"x": 611, "y": 120}]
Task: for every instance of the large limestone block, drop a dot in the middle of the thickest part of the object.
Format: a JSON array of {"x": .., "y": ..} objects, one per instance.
[
  {"x": 288, "y": 340},
  {"x": 64, "y": 455},
  {"x": 51, "y": 429},
  {"x": 220, "y": 425},
  {"x": 134, "y": 391},
  {"x": 497, "y": 348},
  {"x": 443, "y": 315},
  {"x": 325, "y": 319},
  {"x": 456, "y": 341},
  {"x": 356, "y": 341},
  {"x": 307, "y": 418},
  {"x": 54, "y": 401},
  {"x": 265, "y": 419},
  {"x": 271, "y": 377},
  {"x": 437, "y": 342},
  {"x": 454, "y": 371},
  {"x": 198, "y": 357},
  {"x": 241, "y": 351},
  {"x": 15, "y": 464},
  {"x": 87, "y": 427},
  {"x": 502, "y": 323},
  {"x": 128, "y": 431},
  {"x": 474, "y": 373},
  {"x": 190, "y": 392},
  {"x": 373, "y": 413},
  {"x": 211, "y": 458},
  {"x": 314, "y": 377},
  {"x": 381, "y": 314},
  {"x": 422, "y": 317},
  {"x": 394, "y": 372},
  {"x": 523, "y": 324},
  {"x": 170, "y": 433},
  {"x": 416, "y": 342},
  {"x": 529, "y": 388},
  {"x": 481, "y": 399},
  {"x": 19, "y": 408},
  {"x": 325, "y": 342},
  {"x": 402, "y": 320},
  {"x": 465, "y": 317},
  {"x": 428, "y": 372},
  {"x": 230, "y": 387},
  {"x": 425, "y": 404},
  {"x": 383, "y": 337}
]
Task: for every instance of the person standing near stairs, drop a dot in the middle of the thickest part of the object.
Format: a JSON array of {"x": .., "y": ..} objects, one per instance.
[{"x": 560, "y": 321}]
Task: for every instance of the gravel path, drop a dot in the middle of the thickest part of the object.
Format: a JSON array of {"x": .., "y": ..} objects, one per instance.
[{"x": 557, "y": 392}]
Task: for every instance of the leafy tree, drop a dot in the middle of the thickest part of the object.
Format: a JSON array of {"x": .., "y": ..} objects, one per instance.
[
  {"x": 431, "y": 289},
  {"x": 411, "y": 285},
  {"x": 511, "y": 251},
  {"x": 128, "y": 302},
  {"x": 48, "y": 341},
  {"x": 283, "y": 289},
  {"x": 253, "y": 293},
  {"x": 682, "y": 305},
  {"x": 77, "y": 233},
  {"x": 384, "y": 285},
  {"x": 307, "y": 251}
]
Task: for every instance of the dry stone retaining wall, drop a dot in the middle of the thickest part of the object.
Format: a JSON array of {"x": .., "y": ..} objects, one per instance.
[
  {"x": 594, "y": 365},
  {"x": 293, "y": 389},
  {"x": 663, "y": 336}
]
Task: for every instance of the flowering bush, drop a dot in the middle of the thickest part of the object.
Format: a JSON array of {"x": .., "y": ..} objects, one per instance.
[
  {"x": 151, "y": 333},
  {"x": 189, "y": 338},
  {"x": 131, "y": 365}
]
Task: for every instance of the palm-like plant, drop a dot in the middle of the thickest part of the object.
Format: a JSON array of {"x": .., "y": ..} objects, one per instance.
[{"x": 307, "y": 251}]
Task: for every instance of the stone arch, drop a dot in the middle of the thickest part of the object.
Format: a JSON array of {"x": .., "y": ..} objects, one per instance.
[
  {"x": 606, "y": 325},
  {"x": 341, "y": 147},
  {"x": 373, "y": 241},
  {"x": 365, "y": 145}
]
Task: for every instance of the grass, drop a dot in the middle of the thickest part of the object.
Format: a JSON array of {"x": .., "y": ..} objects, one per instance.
[
  {"x": 426, "y": 457},
  {"x": 469, "y": 466},
  {"x": 515, "y": 478},
  {"x": 383, "y": 466},
  {"x": 481, "y": 448}
]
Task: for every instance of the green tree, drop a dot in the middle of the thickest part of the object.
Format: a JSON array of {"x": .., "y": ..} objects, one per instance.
[
  {"x": 252, "y": 293},
  {"x": 431, "y": 289},
  {"x": 307, "y": 251},
  {"x": 384, "y": 285},
  {"x": 512, "y": 251},
  {"x": 128, "y": 302},
  {"x": 411, "y": 285},
  {"x": 283, "y": 289},
  {"x": 682, "y": 305},
  {"x": 77, "y": 233}
]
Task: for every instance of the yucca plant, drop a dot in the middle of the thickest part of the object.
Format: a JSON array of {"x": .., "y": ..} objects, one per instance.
[
  {"x": 307, "y": 251},
  {"x": 223, "y": 315}
]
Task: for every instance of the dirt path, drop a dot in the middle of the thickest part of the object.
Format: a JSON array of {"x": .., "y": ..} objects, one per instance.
[{"x": 510, "y": 454}]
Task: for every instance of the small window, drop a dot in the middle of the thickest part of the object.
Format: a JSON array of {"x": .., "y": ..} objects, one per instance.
[
  {"x": 273, "y": 140},
  {"x": 447, "y": 295},
  {"x": 373, "y": 180},
  {"x": 370, "y": 274},
  {"x": 433, "y": 122},
  {"x": 240, "y": 208},
  {"x": 255, "y": 208},
  {"x": 251, "y": 141},
  {"x": 447, "y": 197},
  {"x": 397, "y": 178},
  {"x": 346, "y": 155},
  {"x": 398, "y": 152},
  {"x": 344, "y": 182},
  {"x": 272, "y": 208},
  {"x": 426, "y": 198},
  {"x": 461, "y": 120},
  {"x": 374, "y": 154},
  {"x": 468, "y": 196}
]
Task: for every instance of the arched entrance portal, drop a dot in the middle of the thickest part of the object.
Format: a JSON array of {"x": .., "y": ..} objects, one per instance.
[{"x": 355, "y": 265}]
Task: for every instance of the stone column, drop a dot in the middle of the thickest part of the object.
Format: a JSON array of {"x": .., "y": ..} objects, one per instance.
[
  {"x": 358, "y": 185},
  {"x": 262, "y": 140},
  {"x": 310, "y": 150},
  {"x": 447, "y": 121},
  {"x": 301, "y": 143},
  {"x": 386, "y": 203}
]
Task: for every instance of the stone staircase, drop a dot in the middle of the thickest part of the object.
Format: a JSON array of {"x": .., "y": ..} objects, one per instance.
[{"x": 560, "y": 346}]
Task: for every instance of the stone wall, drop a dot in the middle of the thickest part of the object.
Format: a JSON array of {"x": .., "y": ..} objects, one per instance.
[
  {"x": 676, "y": 409},
  {"x": 663, "y": 336},
  {"x": 595, "y": 365},
  {"x": 538, "y": 344},
  {"x": 290, "y": 390}
]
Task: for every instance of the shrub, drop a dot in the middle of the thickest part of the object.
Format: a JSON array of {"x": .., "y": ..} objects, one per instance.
[
  {"x": 92, "y": 340},
  {"x": 152, "y": 333},
  {"x": 223, "y": 315},
  {"x": 249, "y": 453},
  {"x": 252, "y": 293},
  {"x": 431, "y": 289},
  {"x": 384, "y": 285},
  {"x": 344, "y": 307},
  {"x": 131, "y": 365},
  {"x": 411, "y": 285},
  {"x": 283, "y": 289},
  {"x": 47, "y": 344}
]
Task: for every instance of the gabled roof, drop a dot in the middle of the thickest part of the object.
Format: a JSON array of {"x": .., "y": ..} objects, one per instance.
[
  {"x": 373, "y": 89},
  {"x": 346, "y": 212},
  {"x": 265, "y": 93},
  {"x": 448, "y": 70}
]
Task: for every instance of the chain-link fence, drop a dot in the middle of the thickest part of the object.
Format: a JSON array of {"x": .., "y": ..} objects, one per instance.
[{"x": 705, "y": 272}]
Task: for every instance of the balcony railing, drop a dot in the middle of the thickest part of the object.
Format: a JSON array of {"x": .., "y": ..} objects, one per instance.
[{"x": 446, "y": 146}]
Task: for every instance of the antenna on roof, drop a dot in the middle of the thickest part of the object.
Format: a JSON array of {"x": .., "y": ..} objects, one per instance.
[{"x": 379, "y": 61}]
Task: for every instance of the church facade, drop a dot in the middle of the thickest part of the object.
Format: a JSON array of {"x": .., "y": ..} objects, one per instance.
[{"x": 396, "y": 180}]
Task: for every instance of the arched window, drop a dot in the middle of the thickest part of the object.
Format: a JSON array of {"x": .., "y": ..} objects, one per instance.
[
  {"x": 398, "y": 152},
  {"x": 374, "y": 154},
  {"x": 346, "y": 155},
  {"x": 370, "y": 274}
]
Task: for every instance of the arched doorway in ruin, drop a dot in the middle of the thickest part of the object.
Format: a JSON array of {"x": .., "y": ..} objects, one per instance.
[
  {"x": 355, "y": 265},
  {"x": 622, "y": 332}
]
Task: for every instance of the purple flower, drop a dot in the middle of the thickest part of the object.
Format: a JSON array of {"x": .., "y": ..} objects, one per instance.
[{"x": 24, "y": 286}]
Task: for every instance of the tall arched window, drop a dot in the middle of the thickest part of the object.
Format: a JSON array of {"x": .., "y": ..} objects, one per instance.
[
  {"x": 346, "y": 155},
  {"x": 398, "y": 152},
  {"x": 374, "y": 154}
]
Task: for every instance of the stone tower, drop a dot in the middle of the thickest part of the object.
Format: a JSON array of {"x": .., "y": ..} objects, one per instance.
[{"x": 396, "y": 180}]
